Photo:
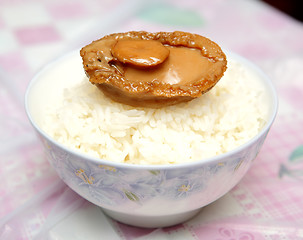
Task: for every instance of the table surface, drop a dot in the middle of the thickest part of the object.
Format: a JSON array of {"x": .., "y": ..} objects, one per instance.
[{"x": 36, "y": 204}]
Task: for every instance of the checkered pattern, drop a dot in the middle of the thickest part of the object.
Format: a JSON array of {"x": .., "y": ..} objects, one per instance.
[
  {"x": 280, "y": 196},
  {"x": 266, "y": 204},
  {"x": 34, "y": 32}
]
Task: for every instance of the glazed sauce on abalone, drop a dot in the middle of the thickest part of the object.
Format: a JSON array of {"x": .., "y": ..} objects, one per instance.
[
  {"x": 183, "y": 66},
  {"x": 153, "y": 69}
]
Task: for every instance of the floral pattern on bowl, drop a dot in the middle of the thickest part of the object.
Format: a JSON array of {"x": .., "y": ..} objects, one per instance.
[{"x": 110, "y": 186}]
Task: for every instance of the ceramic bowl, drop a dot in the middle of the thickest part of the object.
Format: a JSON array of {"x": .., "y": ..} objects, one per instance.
[{"x": 143, "y": 195}]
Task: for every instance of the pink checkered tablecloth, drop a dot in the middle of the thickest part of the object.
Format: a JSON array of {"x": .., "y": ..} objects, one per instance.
[{"x": 35, "y": 204}]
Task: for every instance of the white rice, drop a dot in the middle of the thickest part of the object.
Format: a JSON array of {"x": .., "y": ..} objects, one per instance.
[{"x": 233, "y": 112}]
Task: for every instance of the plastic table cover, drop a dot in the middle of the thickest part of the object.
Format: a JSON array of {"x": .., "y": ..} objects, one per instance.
[{"x": 36, "y": 204}]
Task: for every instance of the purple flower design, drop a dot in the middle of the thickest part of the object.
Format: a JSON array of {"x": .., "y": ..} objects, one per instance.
[
  {"x": 183, "y": 187},
  {"x": 96, "y": 181}
]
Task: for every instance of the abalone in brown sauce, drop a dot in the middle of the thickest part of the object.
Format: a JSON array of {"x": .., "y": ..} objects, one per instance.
[{"x": 153, "y": 69}]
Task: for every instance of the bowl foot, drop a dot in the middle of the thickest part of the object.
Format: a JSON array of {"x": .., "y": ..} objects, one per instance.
[{"x": 151, "y": 221}]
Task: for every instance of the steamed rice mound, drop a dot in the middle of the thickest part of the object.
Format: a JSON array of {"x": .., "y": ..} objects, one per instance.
[{"x": 229, "y": 115}]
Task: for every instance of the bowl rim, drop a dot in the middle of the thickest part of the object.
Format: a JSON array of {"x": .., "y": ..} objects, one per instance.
[{"x": 215, "y": 159}]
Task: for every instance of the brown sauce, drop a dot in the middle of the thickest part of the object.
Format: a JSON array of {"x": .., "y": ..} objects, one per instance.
[
  {"x": 183, "y": 66},
  {"x": 153, "y": 69}
]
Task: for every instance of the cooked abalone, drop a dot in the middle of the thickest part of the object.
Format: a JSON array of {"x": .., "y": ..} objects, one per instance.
[{"x": 153, "y": 69}]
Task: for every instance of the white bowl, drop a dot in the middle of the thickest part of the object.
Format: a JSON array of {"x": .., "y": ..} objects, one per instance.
[{"x": 143, "y": 195}]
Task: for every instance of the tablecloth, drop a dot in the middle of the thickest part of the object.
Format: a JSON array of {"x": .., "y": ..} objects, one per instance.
[{"x": 36, "y": 204}]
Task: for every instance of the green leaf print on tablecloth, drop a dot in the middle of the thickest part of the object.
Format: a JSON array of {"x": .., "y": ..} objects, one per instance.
[
  {"x": 297, "y": 154},
  {"x": 293, "y": 168},
  {"x": 170, "y": 15}
]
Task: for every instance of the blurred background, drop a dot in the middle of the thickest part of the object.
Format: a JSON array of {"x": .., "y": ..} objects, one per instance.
[{"x": 293, "y": 8}]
